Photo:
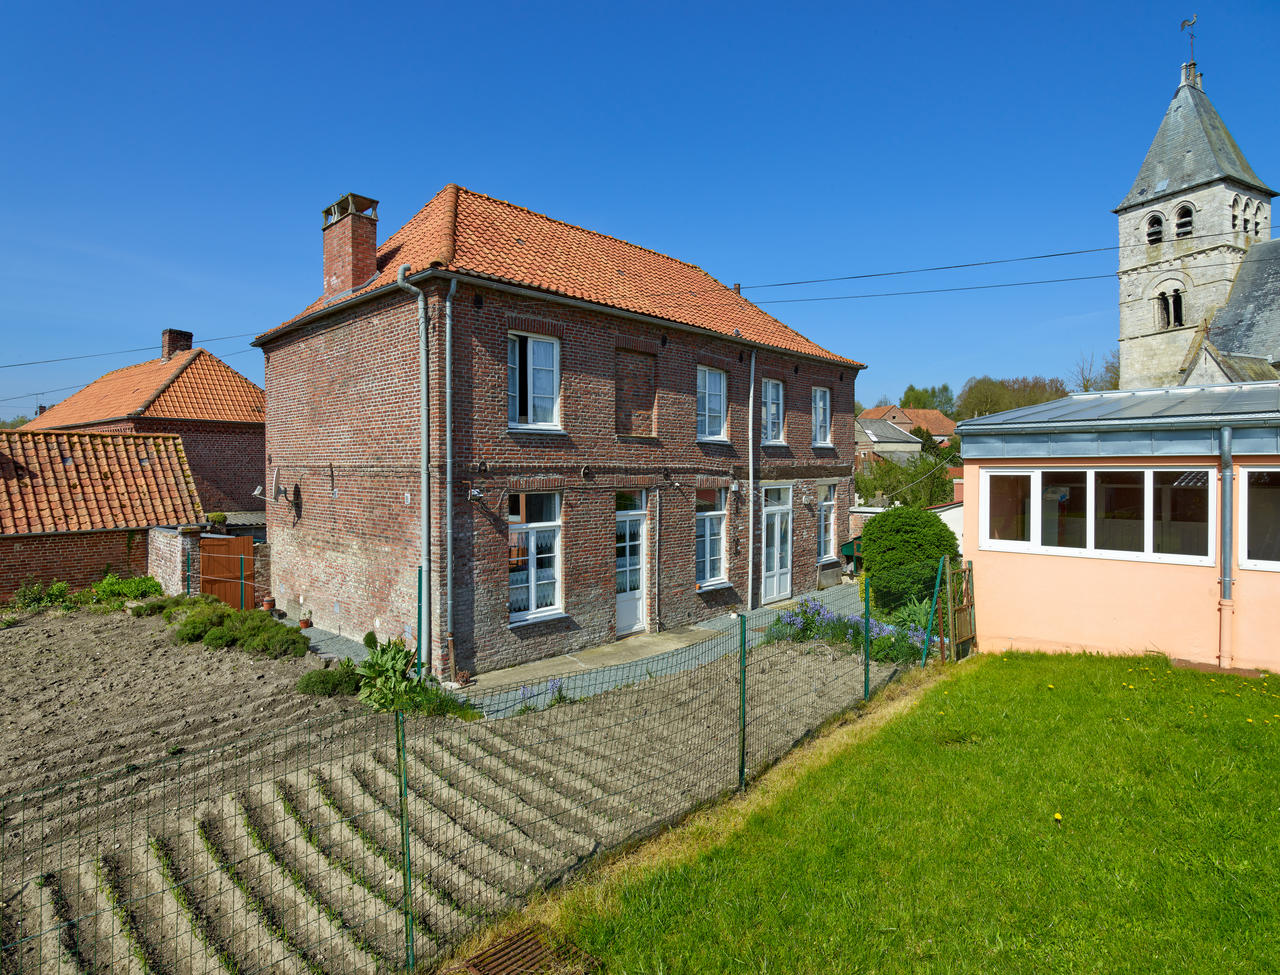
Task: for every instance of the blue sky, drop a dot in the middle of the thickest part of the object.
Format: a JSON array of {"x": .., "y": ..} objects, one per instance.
[{"x": 166, "y": 165}]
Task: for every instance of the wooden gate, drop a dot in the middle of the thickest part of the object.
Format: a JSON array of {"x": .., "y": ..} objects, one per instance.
[
  {"x": 226, "y": 570},
  {"x": 961, "y": 632}
]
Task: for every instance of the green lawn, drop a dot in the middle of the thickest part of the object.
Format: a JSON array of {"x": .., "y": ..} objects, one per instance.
[{"x": 932, "y": 846}]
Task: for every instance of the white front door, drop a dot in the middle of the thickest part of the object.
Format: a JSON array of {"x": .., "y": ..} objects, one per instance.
[
  {"x": 629, "y": 548},
  {"x": 776, "y": 580}
]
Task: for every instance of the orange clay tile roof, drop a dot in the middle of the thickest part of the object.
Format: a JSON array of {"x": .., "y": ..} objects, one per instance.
[
  {"x": 477, "y": 235},
  {"x": 66, "y": 482},
  {"x": 935, "y": 421},
  {"x": 190, "y": 385}
]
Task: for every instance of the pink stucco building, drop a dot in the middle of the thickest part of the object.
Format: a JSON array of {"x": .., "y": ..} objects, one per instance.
[{"x": 1130, "y": 521}]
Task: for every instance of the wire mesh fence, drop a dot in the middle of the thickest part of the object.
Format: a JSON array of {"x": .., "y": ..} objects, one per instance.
[{"x": 373, "y": 842}]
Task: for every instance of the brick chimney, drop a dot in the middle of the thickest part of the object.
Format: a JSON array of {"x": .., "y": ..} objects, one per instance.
[
  {"x": 174, "y": 340},
  {"x": 350, "y": 243}
]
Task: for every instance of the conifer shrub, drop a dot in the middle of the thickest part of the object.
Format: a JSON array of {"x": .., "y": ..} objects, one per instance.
[{"x": 900, "y": 550}]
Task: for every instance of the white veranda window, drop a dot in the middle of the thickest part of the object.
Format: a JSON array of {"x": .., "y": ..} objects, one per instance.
[
  {"x": 1260, "y": 519},
  {"x": 821, "y": 415},
  {"x": 533, "y": 555},
  {"x": 709, "y": 518},
  {"x": 771, "y": 411},
  {"x": 826, "y": 522},
  {"x": 711, "y": 403},
  {"x": 533, "y": 381}
]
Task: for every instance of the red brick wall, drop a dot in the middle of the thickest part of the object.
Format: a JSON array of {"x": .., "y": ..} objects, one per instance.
[
  {"x": 78, "y": 558},
  {"x": 342, "y": 419},
  {"x": 634, "y": 374}
]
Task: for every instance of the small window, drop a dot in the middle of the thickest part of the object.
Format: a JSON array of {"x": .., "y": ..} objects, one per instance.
[
  {"x": 821, "y": 417},
  {"x": 709, "y": 518},
  {"x": 533, "y": 556},
  {"x": 1184, "y": 225},
  {"x": 1235, "y": 213},
  {"x": 771, "y": 412},
  {"x": 1155, "y": 228},
  {"x": 1009, "y": 501},
  {"x": 533, "y": 381},
  {"x": 629, "y": 501},
  {"x": 711, "y": 403},
  {"x": 826, "y": 522},
  {"x": 1162, "y": 310},
  {"x": 1175, "y": 307},
  {"x": 777, "y": 497},
  {"x": 1261, "y": 519}
]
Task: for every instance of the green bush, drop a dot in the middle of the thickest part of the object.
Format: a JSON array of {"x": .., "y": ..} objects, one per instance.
[
  {"x": 341, "y": 680},
  {"x": 219, "y": 637},
  {"x": 34, "y": 595},
  {"x": 112, "y": 588},
  {"x": 201, "y": 620},
  {"x": 896, "y": 648},
  {"x": 900, "y": 549},
  {"x": 386, "y": 685},
  {"x": 371, "y": 641}
]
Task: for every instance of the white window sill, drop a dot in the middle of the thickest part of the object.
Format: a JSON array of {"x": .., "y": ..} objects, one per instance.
[
  {"x": 713, "y": 584},
  {"x": 828, "y": 559},
  {"x": 1025, "y": 548},
  {"x": 713, "y": 440},
  {"x": 773, "y": 443},
  {"x": 534, "y": 428},
  {"x": 1257, "y": 566},
  {"x": 828, "y": 445},
  {"x": 540, "y": 617}
]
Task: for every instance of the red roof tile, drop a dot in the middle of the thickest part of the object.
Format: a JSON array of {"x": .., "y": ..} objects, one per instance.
[
  {"x": 475, "y": 234},
  {"x": 935, "y": 421},
  {"x": 191, "y": 385},
  {"x": 63, "y": 482}
]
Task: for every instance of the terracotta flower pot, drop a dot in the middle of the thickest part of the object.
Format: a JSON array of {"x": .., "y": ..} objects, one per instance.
[
  {"x": 269, "y": 603},
  {"x": 304, "y": 624}
]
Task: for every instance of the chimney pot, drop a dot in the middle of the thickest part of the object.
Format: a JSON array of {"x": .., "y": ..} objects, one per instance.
[
  {"x": 173, "y": 340},
  {"x": 350, "y": 243}
]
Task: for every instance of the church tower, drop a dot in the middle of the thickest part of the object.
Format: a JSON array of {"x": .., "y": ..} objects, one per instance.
[{"x": 1185, "y": 226}]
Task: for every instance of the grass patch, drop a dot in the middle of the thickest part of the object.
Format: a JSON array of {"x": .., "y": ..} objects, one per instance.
[{"x": 932, "y": 845}]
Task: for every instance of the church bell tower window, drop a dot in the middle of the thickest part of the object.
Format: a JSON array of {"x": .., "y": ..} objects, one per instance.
[
  {"x": 1155, "y": 229},
  {"x": 1183, "y": 227}
]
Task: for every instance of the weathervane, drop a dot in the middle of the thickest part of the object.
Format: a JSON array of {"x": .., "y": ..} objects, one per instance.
[{"x": 1187, "y": 25}]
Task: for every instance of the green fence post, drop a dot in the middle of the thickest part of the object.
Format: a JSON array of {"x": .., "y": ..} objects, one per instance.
[
  {"x": 242, "y": 582},
  {"x": 742, "y": 700},
  {"x": 420, "y": 623},
  {"x": 928, "y": 633},
  {"x": 866, "y": 638},
  {"x": 409, "y": 960}
]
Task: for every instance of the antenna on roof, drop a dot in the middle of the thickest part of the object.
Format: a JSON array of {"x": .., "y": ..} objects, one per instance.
[{"x": 1187, "y": 25}]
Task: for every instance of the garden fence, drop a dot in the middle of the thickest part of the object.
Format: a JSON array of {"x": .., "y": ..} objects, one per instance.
[{"x": 376, "y": 842}]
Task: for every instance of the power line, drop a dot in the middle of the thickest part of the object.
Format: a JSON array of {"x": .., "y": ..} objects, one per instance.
[{"x": 98, "y": 355}]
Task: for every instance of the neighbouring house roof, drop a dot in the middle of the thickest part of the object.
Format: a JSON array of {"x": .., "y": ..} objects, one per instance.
[
  {"x": 1192, "y": 147},
  {"x": 1167, "y": 421},
  {"x": 882, "y": 431},
  {"x": 190, "y": 385},
  {"x": 1249, "y": 323},
  {"x": 68, "y": 482},
  {"x": 935, "y": 421},
  {"x": 477, "y": 235}
]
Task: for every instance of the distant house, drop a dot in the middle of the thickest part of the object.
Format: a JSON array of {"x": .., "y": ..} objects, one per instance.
[
  {"x": 74, "y": 506},
  {"x": 220, "y": 415},
  {"x": 1128, "y": 521},
  {"x": 939, "y": 425},
  {"x": 882, "y": 440}
]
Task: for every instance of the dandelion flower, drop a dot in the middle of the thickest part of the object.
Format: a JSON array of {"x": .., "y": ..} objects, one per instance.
[
  {"x": 1057, "y": 817},
  {"x": 1050, "y": 687},
  {"x": 1250, "y": 720}
]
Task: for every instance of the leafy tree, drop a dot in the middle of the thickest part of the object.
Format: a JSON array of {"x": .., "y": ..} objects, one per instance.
[
  {"x": 16, "y": 422},
  {"x": 927, "y": 444},
  {"x": 1086, "y": 377},
  {"x": 900, "y": 549},
  {"x": 857, "y": 407},
  {"x": 884, "y": 401},
  {"x": 982, "y": 395},
  {"x": 929, "y": 398},
  {"x": 919, "y": 484}
]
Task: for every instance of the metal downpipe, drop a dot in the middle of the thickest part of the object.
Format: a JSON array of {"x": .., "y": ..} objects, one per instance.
[
  {"x": 1226, "y": 605},
  {"x": 448, "y": 473}
]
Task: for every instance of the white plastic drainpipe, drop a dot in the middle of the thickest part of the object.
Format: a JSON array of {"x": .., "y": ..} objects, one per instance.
[
  {"x": 448, "y": 471},
  {"x": 424, "y": 483},
  {"x": 751, "y": 488}
]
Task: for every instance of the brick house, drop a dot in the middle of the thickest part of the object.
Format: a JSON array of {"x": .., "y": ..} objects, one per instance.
[
  {"x": 74, "y": 506},
  {"x": 189, "y": 392},
  {"x": 939, "y": 425},
  {"x": 619, "y": 420}
]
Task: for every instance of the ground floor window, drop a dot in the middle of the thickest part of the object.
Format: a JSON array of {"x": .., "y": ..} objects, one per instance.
[
  {"x": 533, "y": 556},
  {"x": 1260, "y": 519},
  {"x": 1158, "y": 514},
  {"x": 826, "y": 522},
  {"x": 709, "y": 519}
]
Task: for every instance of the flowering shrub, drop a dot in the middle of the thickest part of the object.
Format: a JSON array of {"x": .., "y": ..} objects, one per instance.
[{"x": 813, "y": 620}]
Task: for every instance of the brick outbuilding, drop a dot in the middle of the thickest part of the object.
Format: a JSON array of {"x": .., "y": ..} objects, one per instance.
[{"x": 634, "y": 445}]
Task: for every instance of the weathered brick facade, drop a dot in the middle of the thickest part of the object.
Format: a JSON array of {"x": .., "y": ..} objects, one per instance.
[
  {"x": 77, "y": 558},
  {"x": 342, "y": 422}
]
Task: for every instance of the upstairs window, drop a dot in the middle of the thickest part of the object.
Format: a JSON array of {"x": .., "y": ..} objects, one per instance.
[
  {"x": 771, "y": 412},
  {"x": 711, "y": 403},
  {"x": 1155, "y": 228},
  {"x": 821, "y": 417},
  {"x": 533, "y": 381},
  {"x": 1184, "y": 225},
  {"x": 533, "y": 556}
]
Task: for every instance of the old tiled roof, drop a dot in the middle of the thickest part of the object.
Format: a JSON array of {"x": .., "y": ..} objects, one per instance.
[
  {"x": 935, "y": 421},
  {"x": 1192, "y": 147},
  {"x": 1249, "y": 323},
  {"x": 190, "y": 385},
  {"x": 477, "y": 235},
  {"x": 66, "y": 482}
]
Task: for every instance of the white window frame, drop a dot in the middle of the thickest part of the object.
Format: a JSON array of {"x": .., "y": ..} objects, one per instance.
[
  {"x": 702, "y": 397},
  {"x": 821, "y": 428},
  {"x": 722, "y": 513},
  {"x": 780, "y": 402},
  {"x": 827, "y": 521},
  {"x": 534, "y": 613},
  {"x": 987, "y": 544},
  {"x": 554, "y": 424},
  {"x": 1262, "y": 565}
]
